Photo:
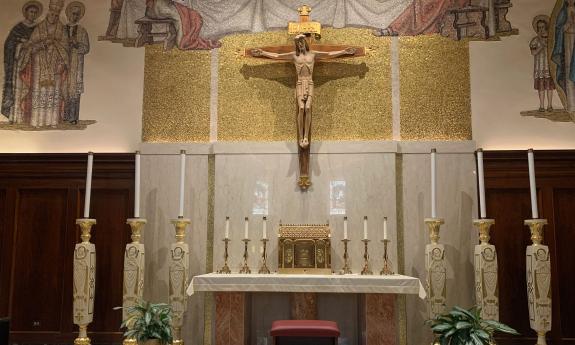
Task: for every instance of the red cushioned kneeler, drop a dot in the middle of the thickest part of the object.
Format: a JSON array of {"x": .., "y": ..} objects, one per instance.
[{"x": 304, "y": 332}]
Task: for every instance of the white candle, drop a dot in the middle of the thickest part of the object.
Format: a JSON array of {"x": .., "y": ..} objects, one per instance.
[
  {"x": 345, "y": 228},
  {"x": 481, "y": 178},
  {"x": 137, "y": 187},
  {"x": 246, "y": 229},
  {"x": 365, "y": 228},
  {"x": 88, "y": 185},
  {"x": 182, "y": 181},
  {"x": 385, "y": 228},
  {"x": 227, "y": 228},
  {"x": 532, "y": 187},
  {"x": 265, "y": 230},
  {"x": 433, "y": 185}
]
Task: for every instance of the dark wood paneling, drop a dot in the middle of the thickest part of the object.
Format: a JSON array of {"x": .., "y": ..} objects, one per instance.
[
  {"x": 511, "y": 237},
  {"x": 41, "y": 195},
  {"x": 564, "y": 202},
  {"x": 507, "y": 183},
  {"x": 110, "y": 238},
  {"x": 38, "y": 254}
]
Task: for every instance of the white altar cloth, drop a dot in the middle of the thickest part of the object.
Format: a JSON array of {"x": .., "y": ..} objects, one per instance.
[{"x": 349, "y": 283}]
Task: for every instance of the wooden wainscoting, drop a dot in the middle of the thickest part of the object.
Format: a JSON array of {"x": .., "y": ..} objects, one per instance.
[
  {"x": 508, "y": 201},
  {"x": 41, "y": 195}
]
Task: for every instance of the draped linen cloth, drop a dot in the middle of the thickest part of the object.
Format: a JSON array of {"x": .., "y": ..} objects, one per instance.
[{"x": 222, "y": 17}]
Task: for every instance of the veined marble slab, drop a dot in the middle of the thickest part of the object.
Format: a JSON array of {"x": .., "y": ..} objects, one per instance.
[{"x": 352, "y": 283}]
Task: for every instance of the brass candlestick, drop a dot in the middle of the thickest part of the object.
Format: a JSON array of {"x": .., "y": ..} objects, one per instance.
[
  {"x": 245, "y": 268},
  {"x": 264, "y": 269},
  {"x": 225, "y": 269},
  {"x": 386, "y": 262},
  {"x": 366, "y": 269},
  {"x": 346, "y": 269}
]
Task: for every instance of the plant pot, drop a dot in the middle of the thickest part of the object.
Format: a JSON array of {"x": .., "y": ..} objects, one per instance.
[{"x": 151, "y": 342}]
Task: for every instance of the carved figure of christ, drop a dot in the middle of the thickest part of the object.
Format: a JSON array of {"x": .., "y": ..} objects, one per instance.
[{"x": 304, "y": 59}]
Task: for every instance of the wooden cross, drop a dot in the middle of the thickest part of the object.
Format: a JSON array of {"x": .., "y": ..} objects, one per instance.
[{"x": 303, "y": 54}]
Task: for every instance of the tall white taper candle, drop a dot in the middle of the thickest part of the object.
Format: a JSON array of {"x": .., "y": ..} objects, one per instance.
[
  {"x": 88, "y": 185},
  {"x": 481, "y": 178},
  {"x": 265, "y": 230},
  {"x": 227, "y": 235},
  {"x": 365, "y": 228},
  {"x": 532, "y": 186},
  {"x": 137, "y": 187},
  {"x": 246, "y": 229},
  {"x": 433, "y": 185},
  {"x": 345, "y": 228},
  {"x": 385, "y": 228},
  {"x": 182, "y": 181}
]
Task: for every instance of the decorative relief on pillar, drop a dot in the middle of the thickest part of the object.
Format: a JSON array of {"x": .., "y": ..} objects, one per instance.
[
  {"x": 178, "y": 278},
  {"x": 486, "y": 289},
  {"x": 84, "y": 281},
  {"x": 539, "y": 287},
  {"x": 538, "y": 271},
  {"x": 134, "y": 267},
  {"x": 436, "y": 269},
  {"x": 486, "y": 286},
  {"x": 303, "y": 306}
]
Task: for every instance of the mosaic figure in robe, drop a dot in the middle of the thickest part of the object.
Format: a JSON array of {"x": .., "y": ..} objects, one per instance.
[
  {"x": 17, "y": 42},
  {"x": 78, "y": 46},
  {"x": 304, "y": 61},
  {"x": 562, "y": 54},
  {"x": 43, "y": 70}
]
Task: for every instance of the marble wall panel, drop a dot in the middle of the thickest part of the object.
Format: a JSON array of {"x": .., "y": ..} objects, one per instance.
[
  {"x": 160, "y": 200},
  {"x": 456, "y": 203},
  {"x": 369, "y": 191}
]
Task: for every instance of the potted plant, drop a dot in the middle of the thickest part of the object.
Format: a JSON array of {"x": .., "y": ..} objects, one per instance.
[
  {"x": 148, "y": 323},
  {"x": 466, "y": 327}
]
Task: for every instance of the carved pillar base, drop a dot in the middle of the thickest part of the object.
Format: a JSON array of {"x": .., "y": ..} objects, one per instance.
[
  {"x": 134, "y": 268},
  {"x": 485, "y": 262},
  {"x": 303, "y": 306},
  {"x": 232, "y": 318},
  {"x": 538, "y": 265},
  {"x": 378, "y": 319}
]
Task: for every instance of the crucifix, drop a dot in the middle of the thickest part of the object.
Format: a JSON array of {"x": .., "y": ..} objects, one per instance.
[{"x": 303, "y": 54}]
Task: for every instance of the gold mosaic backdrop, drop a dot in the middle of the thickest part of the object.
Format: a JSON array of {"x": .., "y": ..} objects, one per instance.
[
  {"x": 435, "y": 88},
  {"x": 176, "y": 96},
  {"x": 352, "y": 97}
]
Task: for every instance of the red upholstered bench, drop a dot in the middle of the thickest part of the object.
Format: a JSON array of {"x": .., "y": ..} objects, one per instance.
[{"x": 304, "y": 332}]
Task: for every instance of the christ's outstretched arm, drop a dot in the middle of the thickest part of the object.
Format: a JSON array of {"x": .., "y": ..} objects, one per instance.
[
  {"x": 275, "y": 56},
  {"x": 334, "y": 54}
]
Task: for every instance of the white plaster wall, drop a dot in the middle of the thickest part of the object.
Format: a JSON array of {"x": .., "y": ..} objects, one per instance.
[{"x": 114, "y": 81}]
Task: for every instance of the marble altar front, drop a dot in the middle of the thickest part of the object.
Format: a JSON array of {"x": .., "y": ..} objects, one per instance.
[{"x": 375, "y": 315}]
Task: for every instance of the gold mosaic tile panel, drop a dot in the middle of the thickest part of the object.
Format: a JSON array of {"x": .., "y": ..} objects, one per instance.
[
  {"x": 176, "y": 96},
  {"x": 435, "y": 88},
  {"x": 352, "y": 97}
]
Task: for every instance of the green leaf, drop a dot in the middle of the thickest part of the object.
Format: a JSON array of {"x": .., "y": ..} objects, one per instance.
[
  {"x": 463, "y": 325},
  {"x": 441, "y": 328}
]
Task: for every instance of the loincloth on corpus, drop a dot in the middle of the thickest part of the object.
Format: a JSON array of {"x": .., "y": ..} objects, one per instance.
[{"x": 304, "y": 89}]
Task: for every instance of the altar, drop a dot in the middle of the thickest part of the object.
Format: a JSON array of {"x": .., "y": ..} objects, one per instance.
[{"x": 375, "y": 317}]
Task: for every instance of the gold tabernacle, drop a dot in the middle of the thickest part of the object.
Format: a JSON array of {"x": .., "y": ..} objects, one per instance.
[{"x": 304, "y": 249}]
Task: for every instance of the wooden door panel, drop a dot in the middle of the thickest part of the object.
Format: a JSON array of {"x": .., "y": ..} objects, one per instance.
[
  {"x": 38, "y": 257},
  {"x": 110, "y": 207},
  {"x": 5, "y": 245},
  {"x": 564, "y": 203},
  {"x": 509, "y": 208}
]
